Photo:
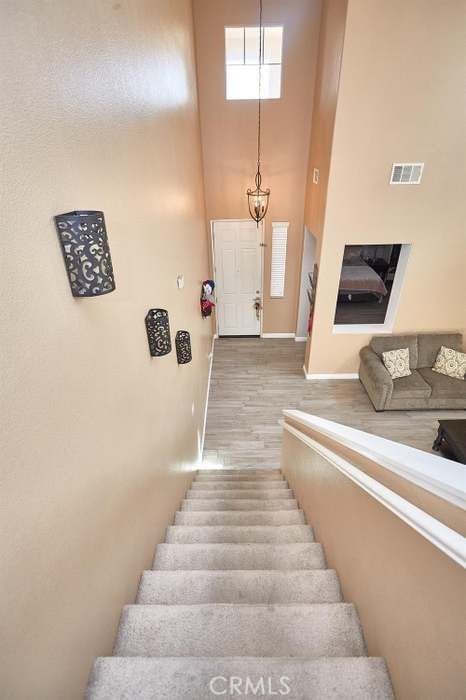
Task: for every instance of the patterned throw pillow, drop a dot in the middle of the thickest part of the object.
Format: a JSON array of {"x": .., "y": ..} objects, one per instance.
[
  {"x": 450, "y": 362},
  {"x": 397, "y": 362}
]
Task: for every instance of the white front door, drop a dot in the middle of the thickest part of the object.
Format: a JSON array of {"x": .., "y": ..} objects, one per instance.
[{"x": 238, "y": 276}]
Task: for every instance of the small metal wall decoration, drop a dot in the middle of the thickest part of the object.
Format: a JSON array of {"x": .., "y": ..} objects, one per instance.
[
  {"x": 83, "y": 238},
  {"x": 183, "y": 347},
  {"x": 158, "y": 332}
]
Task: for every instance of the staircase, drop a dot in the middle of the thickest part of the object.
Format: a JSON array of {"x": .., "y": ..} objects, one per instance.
[{"x": 239, "y": 603}]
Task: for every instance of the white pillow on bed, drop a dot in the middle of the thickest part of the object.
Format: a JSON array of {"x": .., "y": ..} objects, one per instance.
[
  {"x": 397, "y": 362},
  {"x": 353, "y": 255}
]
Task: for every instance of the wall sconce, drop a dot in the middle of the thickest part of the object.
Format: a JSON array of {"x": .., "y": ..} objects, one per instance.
[
  {"x": 158, "y": 332},
  {"x": 183, "y": 347},
  {"x": 83, "y": 239}
]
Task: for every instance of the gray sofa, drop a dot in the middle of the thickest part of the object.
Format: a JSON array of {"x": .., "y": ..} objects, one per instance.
[{"x": 423, "y": 388}]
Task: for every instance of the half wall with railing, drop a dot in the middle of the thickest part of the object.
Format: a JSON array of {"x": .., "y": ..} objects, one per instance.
[{"x": 392, "y": 521}]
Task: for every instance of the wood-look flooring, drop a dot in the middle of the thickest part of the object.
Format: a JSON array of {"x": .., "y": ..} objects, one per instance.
[
  {"x": 253, "y": 380},
  {"x": 358, "y": 311}
]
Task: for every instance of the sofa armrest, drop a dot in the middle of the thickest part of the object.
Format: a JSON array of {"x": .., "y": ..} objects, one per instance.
[{"x": 375, "y": 378}]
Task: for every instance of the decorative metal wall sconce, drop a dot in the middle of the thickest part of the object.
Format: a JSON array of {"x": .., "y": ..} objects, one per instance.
[
  {"x": 183, "y": 347},
  {"x": 83, "y": 239},
  {"x": 158, "y": 332}
]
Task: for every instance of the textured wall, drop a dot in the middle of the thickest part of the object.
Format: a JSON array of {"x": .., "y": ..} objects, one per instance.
[
  {"x": 99, "y": 110},
  {"x": 229, "y": 132},
  {"x": 331, "y": 39},
  {"x": 401, "y": 98},
  {"x": 407, "y": 592}
]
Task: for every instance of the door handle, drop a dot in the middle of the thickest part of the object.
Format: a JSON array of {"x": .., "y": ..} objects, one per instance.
[{"x": 258, "y": 307}]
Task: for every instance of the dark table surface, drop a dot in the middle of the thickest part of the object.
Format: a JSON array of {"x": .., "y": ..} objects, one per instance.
[
  {"x": 454, "y": 427},
  {"x": 452, "y": 435}
]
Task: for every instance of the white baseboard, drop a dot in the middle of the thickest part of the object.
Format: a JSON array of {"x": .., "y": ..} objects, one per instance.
[
  {"x": 333, "y": 375},
  {"x": 277, "y": 335},
  {"x": 300, "y": 338},
  {"x": 211, "y": 359}
]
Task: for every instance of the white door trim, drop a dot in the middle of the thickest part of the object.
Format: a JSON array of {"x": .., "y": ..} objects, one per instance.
[{"x": 212, "y": 243}]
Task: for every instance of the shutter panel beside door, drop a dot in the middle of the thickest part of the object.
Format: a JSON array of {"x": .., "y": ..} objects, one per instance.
[{"x": 278, "y": 264}]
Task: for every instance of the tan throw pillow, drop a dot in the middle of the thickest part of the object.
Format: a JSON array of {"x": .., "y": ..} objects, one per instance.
[
  {"x": 397, "y": 362},
  {"x": 450, "y": 362}
]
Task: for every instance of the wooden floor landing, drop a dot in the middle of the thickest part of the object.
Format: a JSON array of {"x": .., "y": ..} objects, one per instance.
[{"x": 253, "y": 380}]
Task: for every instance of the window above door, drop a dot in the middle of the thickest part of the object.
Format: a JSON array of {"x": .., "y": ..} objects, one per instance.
[{"x": 242, "y": 62}]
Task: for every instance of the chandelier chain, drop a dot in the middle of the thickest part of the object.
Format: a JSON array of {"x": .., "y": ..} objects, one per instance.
[
  {"x": 259, "y": 100},
  {"x": 258, "y": 199}
]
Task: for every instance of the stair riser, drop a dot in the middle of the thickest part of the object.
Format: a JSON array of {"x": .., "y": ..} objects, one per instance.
[
  {"x": 234, "y": 534},
  {"x": 233, "y": 587},
  {"x": 239, "y": 472},
  {"x": 239, "y": 504},
  {"x": 224, "y": 494},
  {"x": 272, "y": 478},
  {"x": 190, "y": 678},
  {"x": 268, "y": 485},
  {"x": 238, "y": 556},
  {"x": 240, "y": 630},
  {"x": 251, "y": 517}
]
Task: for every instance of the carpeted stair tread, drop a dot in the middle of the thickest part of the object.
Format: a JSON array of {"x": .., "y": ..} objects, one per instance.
[
  {"x": 240, "y": 517},
  {"x": 239, "y": 504},
  {"x": 305, "y": 630},
  {"x": 266, "y": 484},
  {"x": 239, "y": 556},
  {"x": 270, "y": 476},
  {"x": 240, "y": 472},
  {"x": 225, "y": 494},
  {"x": 188, "y": 678},
  {"x": 183, "y": 534},
  {"x": 252, "y": 587},
  {"x": 239, "y": 590}
]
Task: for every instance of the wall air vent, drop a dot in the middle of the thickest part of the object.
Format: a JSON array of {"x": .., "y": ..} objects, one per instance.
[{"x": 406, "y": 173}]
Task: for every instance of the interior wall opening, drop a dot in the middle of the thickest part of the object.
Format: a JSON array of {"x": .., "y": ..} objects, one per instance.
[{"x": 366, "y": 284}]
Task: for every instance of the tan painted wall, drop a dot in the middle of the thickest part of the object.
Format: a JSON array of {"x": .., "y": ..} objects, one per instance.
[
  {"x": 401, "y": 98},
  {"x": 331, "y": 38},
  {"x": 229, "y": 131},
  {"x": 409, "y": 595},
  {"x": 99, "y": 108}
]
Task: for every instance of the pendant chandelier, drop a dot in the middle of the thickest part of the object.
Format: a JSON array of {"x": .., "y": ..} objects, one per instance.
[{"x": 258, "y": 199}]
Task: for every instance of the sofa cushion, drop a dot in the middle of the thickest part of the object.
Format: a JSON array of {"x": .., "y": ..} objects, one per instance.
[
  {"x": 411, "y": 387},
  {"x": 385, "y": 343},
  {"x": 397, "y": 362},
  {"x": 429, "y": 345},
  {"x": 450, "y": 362},
  {"x": 443, "y": 386}
]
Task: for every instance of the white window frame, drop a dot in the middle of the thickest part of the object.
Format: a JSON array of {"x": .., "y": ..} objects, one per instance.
[
  {"x": 264, "y": 27},
  {"x": 388, "y": 324}
]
